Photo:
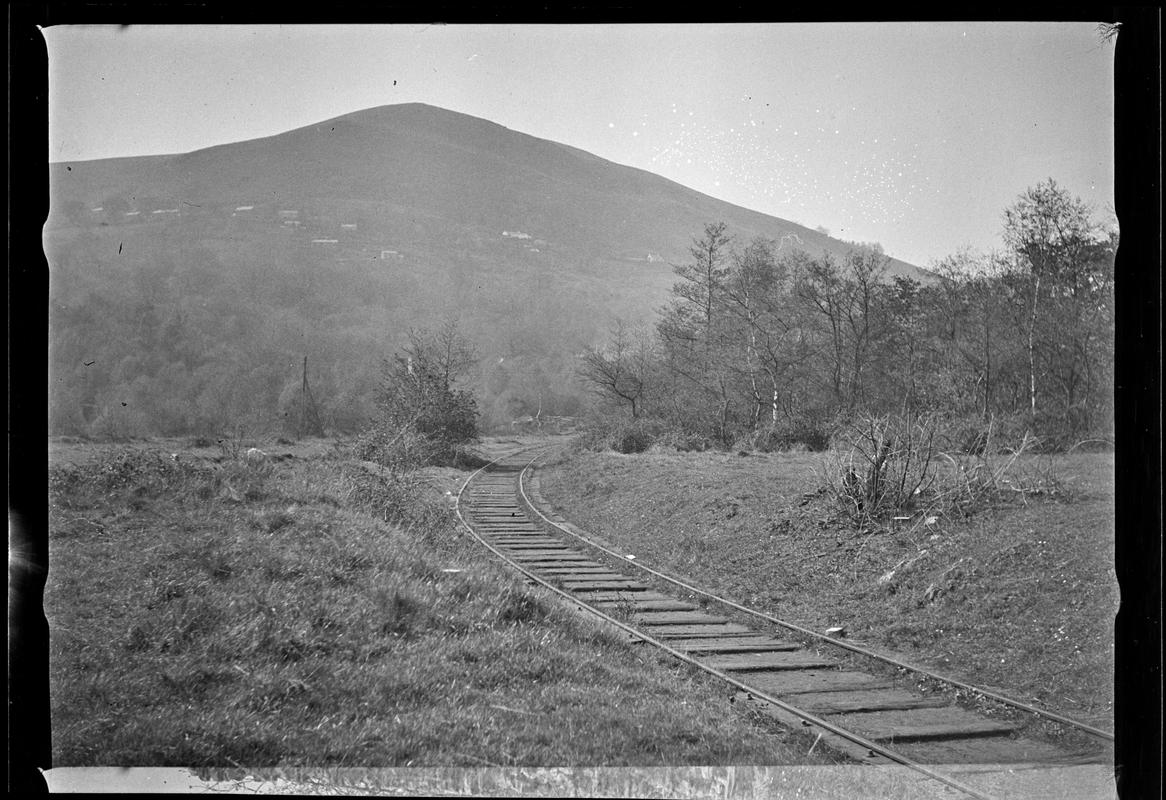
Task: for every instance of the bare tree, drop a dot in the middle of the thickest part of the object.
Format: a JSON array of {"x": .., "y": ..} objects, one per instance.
[
  {"x": 446, "y": 352},
  {"x": 758, "y": 293},
  {"x": 820, "y": 287},
  {"x": 1049, "y": 232},
  {"x": 866, "y": 269},
  {"x": 619, "y": 369}
]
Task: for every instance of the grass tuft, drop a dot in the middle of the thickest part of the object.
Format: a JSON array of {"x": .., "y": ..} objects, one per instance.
[
  {"x": 521, "y": 608},
  {"x": 400, "y": 614}
]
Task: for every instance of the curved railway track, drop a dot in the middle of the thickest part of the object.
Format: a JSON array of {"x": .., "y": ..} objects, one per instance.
[{"x": 866, "y": 716}]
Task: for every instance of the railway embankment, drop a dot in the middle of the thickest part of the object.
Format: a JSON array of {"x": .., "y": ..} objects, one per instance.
[{"x": 1016, "y": 596}]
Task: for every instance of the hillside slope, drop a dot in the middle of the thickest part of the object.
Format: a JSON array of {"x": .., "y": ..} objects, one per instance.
[{"x": 189, "y": 287}]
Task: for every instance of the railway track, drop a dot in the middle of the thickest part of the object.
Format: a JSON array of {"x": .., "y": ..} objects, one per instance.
[{"x": 865, "y": 715}]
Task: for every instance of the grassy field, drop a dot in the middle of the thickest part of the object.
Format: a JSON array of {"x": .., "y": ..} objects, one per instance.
[
  {"x": 312, "y": 612},
  {"x": 1019, "y": 595}
]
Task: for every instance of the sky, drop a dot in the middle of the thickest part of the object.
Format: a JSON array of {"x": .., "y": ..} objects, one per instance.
[{"x": 913, "y": 135}]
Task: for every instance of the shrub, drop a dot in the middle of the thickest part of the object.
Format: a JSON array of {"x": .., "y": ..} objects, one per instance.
[
  {"x": 632, "y": 439},
  {"x": 422, "y": 418},
  {"x": 789, "y": 434},
  {"x": 395, "y": 448},
  {"x": 622, "y": 435},
  {"x": 467, "y": 459},
  {"x": 387, "y": 495},
  {"x": 890, "y": 467},
  {"x": 634, "y": 436},
  {"x": 593, "y": 438},
  {"x": 685, "y": 442}
]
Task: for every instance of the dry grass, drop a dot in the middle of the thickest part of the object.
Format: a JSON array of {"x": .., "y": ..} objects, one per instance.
[
  {"x": 214, "y": 614},
  {"x": 1018, "y": 595}
]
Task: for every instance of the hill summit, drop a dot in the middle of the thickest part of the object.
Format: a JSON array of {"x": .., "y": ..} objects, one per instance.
[{"x": 414, "y": 160}]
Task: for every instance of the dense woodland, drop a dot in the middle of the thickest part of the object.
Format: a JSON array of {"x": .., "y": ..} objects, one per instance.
[
  {"x": 202, "y": 330},
  {"x": 779, "y": 348}
]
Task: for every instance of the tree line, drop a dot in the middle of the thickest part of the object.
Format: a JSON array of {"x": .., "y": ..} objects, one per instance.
[{"x": 758, "y": 340}]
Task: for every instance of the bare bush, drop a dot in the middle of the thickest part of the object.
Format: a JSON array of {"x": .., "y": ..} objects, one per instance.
[
  {"x": 800, "y": 434},
  {"x": 627, "y": 436},
  {"x": 889, "y": 468},
  {"x": 995, "y": 474},
  {"x": 686, "y": 442},
  {"x": 894, "y": 470}
]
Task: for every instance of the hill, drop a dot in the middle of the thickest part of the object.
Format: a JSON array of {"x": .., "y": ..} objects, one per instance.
[{"x": 202, "y": 279}]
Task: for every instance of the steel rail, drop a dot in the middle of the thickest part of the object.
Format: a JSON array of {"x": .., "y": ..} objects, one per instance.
[
  {"x": 1000, "y": 698},
  {"x": 861, "y": 741}
]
